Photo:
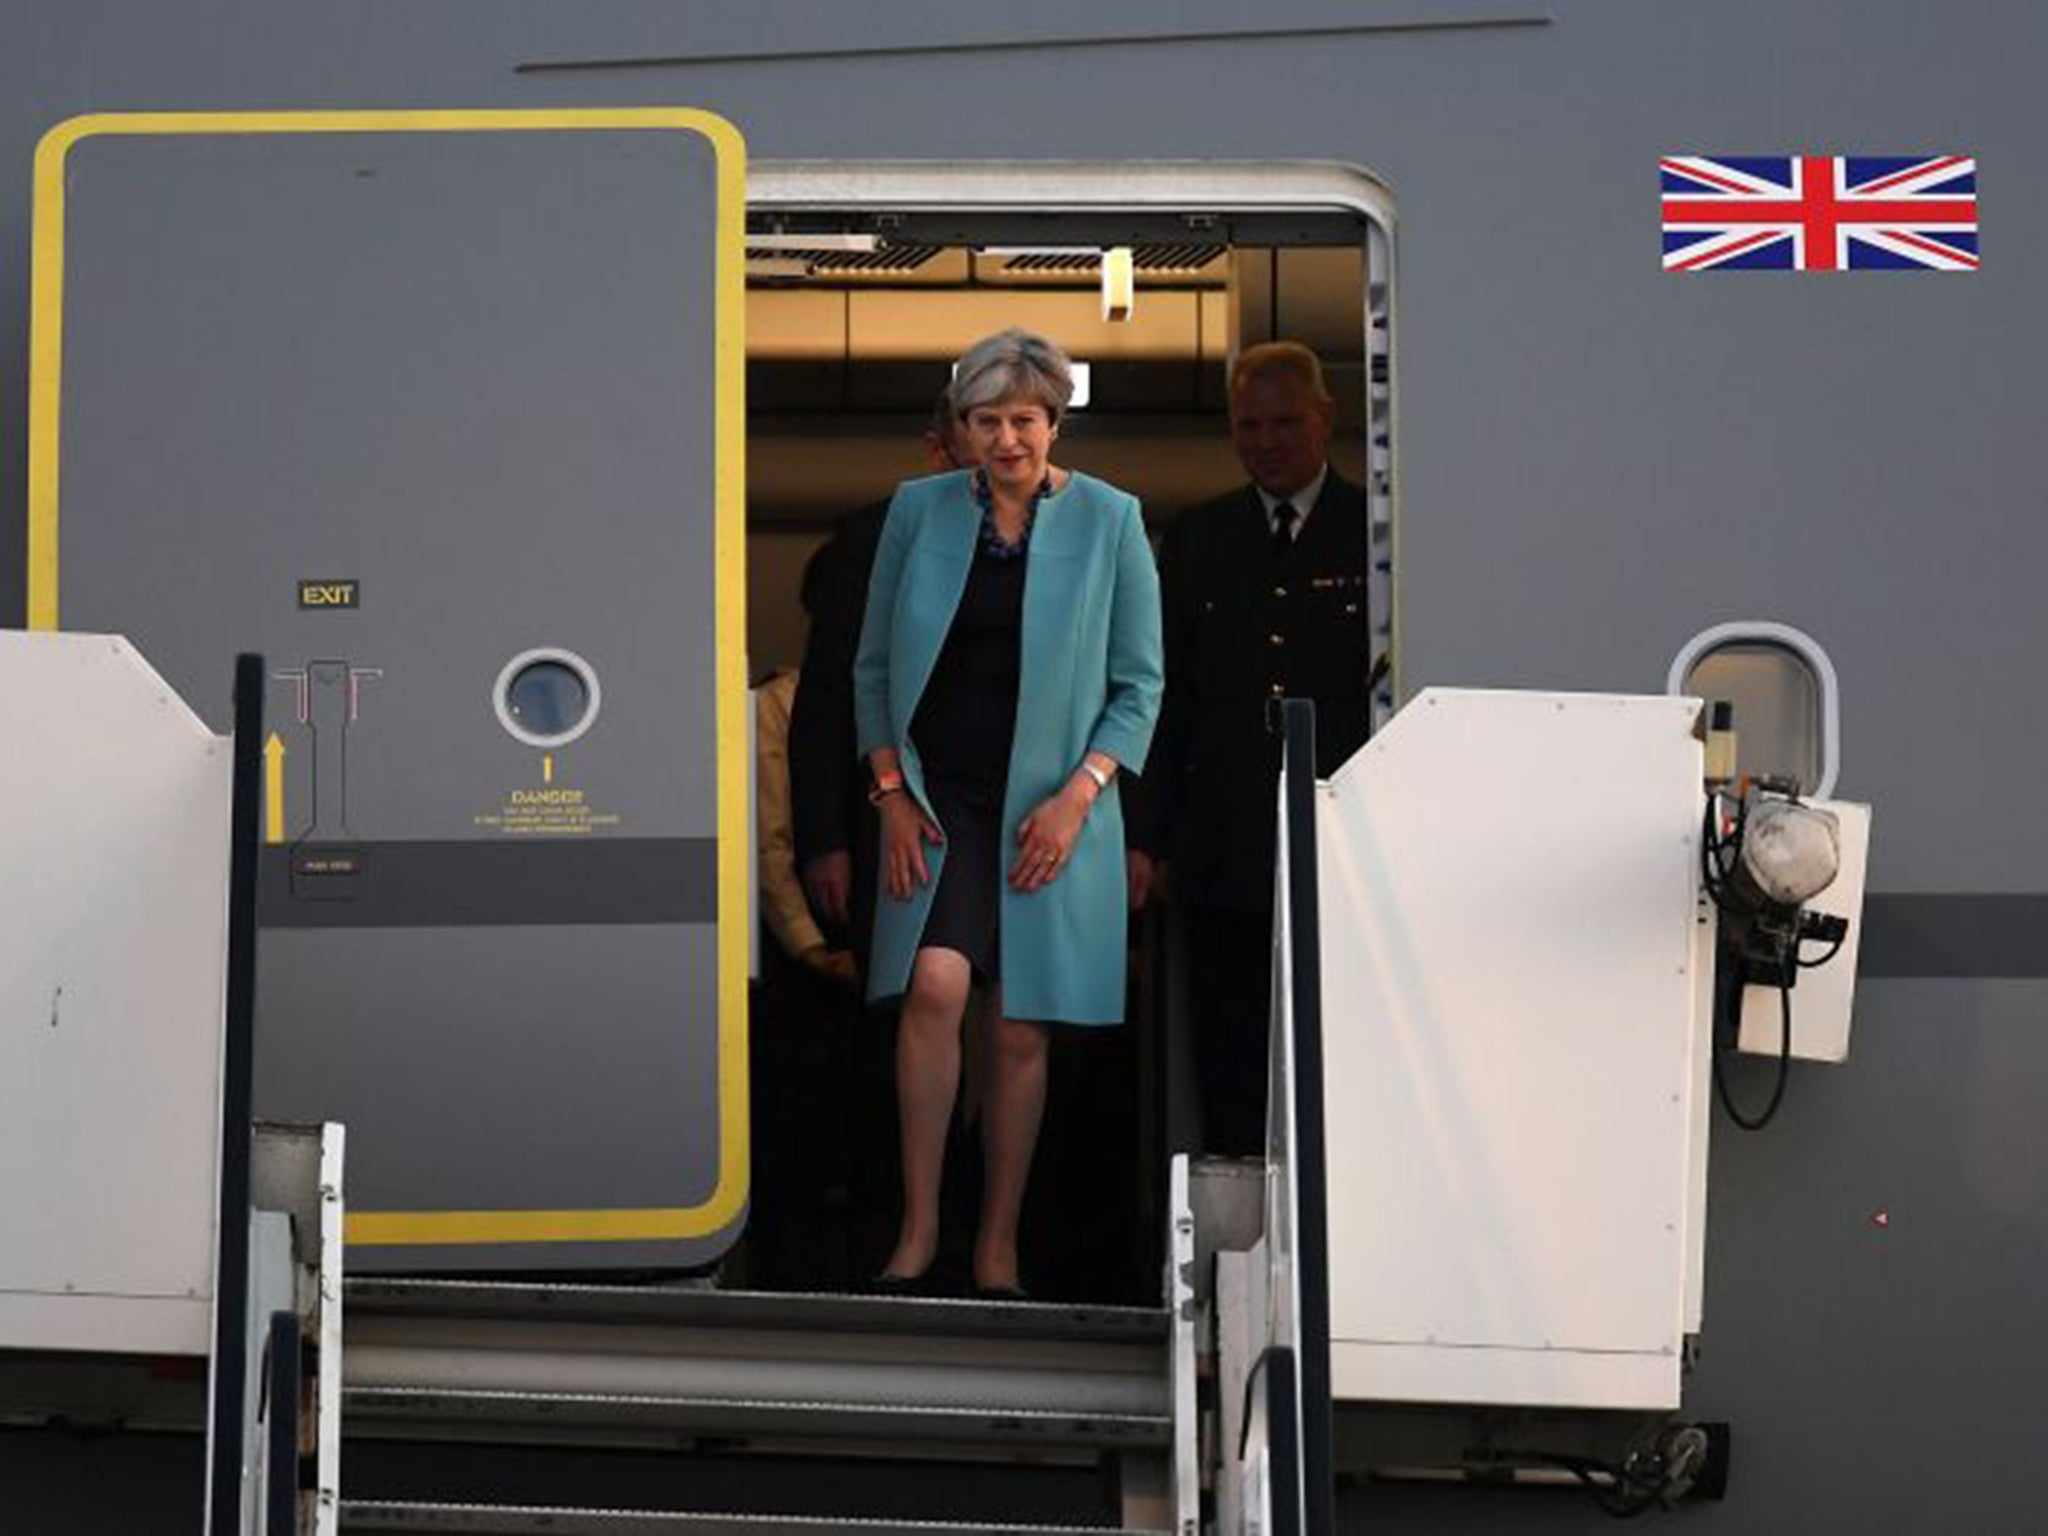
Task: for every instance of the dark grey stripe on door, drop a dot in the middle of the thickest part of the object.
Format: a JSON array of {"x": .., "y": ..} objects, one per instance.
[
  {"x": 472, "y": 883},
  {"x": 1905, "y": 934}
]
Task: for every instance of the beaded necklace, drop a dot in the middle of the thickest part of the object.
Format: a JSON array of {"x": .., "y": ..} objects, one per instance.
[{"x": 992, "y": 542}]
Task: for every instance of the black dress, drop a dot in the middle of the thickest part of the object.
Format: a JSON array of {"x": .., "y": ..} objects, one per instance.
[{"x": 963, "y": 729}]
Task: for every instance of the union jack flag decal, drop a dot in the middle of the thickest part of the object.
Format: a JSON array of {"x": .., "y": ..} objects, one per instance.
[{"x": 1820, "y": 213}]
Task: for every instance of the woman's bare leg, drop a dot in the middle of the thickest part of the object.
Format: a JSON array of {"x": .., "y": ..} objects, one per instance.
[
  {"x": 1011, "y": 1112},
  {"x": 927, "y": 1079}
]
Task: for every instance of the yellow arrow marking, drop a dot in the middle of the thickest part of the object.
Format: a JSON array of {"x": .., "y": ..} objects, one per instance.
[
  {"x": 273, "y": 781},
  {"x": 547, "y": 769}
]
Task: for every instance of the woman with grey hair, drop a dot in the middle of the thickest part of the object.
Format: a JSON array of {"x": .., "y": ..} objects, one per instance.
[{"x": 1009, "y": 668}]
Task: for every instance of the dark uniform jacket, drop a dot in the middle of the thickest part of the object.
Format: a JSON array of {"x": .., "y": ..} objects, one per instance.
[
  {"x": 828, "y": 780},
  {"x": 1243, "y": 626}
]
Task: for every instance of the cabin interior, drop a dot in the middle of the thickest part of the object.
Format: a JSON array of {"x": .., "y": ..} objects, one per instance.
[{"x": 854, "y": 319}]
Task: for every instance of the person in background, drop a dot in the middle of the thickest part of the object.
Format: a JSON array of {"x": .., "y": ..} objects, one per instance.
[
  {"x": 783, "y": 904},
  {"x": 1265, "y": 597},
  {"x": 1009, "y": 669},
  {"x": 801, "y": 1122}
]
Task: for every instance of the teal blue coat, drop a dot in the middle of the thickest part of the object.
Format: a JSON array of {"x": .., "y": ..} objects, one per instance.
[{"x": 1092, "y": 676}]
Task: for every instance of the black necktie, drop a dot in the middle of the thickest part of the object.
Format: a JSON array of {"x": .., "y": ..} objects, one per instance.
[{"x": 1284, "y": 517}]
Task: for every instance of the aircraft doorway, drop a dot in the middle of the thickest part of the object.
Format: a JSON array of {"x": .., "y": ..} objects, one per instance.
[{"x": 864, "y": 285}]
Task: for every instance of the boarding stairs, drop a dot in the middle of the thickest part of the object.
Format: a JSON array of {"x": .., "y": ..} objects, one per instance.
[{"x": 500, "y": 1408}]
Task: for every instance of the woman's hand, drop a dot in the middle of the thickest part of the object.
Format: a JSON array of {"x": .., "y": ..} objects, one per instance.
[
  {"x": 1046, "y": 837},
  {"x": 905, "y": 831}
]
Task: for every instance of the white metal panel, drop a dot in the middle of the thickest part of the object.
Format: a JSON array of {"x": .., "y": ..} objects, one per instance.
[
  {"x": 1183, "y": 1369},
  {"x": 1701, "y": 1051},
  {"x": 1826, "y": 995},
  {"x": 1529, "y": 1378},
  {"x": 132, "y": 1325},
  {"x": 273, "y": 1287},
  {"x": 327, "y": 1441},
  {"x": 1282, "y": 1170},
  {"x": 114, "y": 804},
  {"x": 1239, "y": 1302},
  {"x": 1509, "y": 951}
]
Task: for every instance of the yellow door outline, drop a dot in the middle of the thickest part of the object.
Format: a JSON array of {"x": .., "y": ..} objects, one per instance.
[{"x": 46, "y": 356}]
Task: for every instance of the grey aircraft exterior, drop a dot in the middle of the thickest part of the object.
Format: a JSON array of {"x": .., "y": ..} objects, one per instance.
[{"x": 1597, "y": 460}]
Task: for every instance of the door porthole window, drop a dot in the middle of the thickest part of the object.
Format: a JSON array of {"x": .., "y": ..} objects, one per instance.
[
  {"x": 546, "y": 697},
  {"x": 1783, "y": 692}
]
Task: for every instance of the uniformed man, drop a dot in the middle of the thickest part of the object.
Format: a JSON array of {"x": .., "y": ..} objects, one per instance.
[{"x": 1265, "y": 597}]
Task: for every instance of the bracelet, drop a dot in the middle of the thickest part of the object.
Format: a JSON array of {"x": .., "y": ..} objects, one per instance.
[
  {"x": 880, "y": 791},
  {"x": 1101, "y": 779}
]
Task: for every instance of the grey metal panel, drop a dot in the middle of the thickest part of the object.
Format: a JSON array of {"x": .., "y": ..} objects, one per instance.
[
  {"x": 543, "y": 1068},
  {"x": 415, "y": 883},
  {"x": 469, "y": 371},
  {"x": 1560, "y": 398},
  {"x": 1600, "y": 459},
  {"x": 472, "y": 374},
  {"x": 1624, "y": 409},
  {"x": 1912, "y": 935}
]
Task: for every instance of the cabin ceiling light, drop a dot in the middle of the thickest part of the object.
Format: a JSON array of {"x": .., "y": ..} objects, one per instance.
[
  {"x": 814, "y": 242},
  {"x": 1119, "y": 283}
]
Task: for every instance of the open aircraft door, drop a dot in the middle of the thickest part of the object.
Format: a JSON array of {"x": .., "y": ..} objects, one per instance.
[{"x": 441, "y": 412}]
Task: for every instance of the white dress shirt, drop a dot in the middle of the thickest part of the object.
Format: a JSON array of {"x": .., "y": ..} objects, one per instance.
[{"x": 1303, "y": 501}]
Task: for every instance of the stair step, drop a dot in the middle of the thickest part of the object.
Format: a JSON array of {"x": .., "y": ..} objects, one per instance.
[
  {"x": 761, "y": 1310},
  {"x": 360, "y": 1517},
  {"x": 587, "y": 1364},
  {"x": 388, "y": 1410}
]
